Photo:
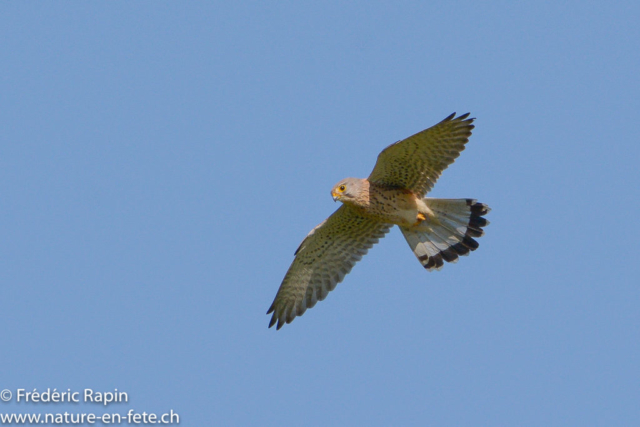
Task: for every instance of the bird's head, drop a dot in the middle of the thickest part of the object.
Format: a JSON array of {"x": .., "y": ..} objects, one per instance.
[{"x": 347, "y": 190}]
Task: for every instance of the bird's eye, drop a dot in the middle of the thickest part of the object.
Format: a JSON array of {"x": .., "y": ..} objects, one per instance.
[{"x": 342, "y": 187}]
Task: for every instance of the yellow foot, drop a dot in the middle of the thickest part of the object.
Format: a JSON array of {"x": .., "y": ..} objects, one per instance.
[{"x": 419, "y": 218}]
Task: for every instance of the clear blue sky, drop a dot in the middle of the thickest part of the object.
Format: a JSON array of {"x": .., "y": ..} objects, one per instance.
[{"x": 161, "y": 161}]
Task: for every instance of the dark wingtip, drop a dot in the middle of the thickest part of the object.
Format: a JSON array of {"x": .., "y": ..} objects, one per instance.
[
  {"x": 462, "y": 117},
  {"x": 272, "y": 321},
  {"x": 449, "y": 117}
]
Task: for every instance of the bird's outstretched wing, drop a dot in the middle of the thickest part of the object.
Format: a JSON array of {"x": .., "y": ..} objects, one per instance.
[
  {"x": 324, "y": 257},
  {"x": 416, "y": 163}
]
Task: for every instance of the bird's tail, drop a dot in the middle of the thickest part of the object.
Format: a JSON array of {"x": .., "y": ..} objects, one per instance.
[{"x": 449, "y": 233}]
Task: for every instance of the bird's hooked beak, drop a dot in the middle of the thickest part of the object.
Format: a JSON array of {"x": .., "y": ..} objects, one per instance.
[{"x": 335, "y": 196}]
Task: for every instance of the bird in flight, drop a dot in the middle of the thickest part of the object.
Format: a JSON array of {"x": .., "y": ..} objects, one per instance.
[{"x": 437, "y": 230}]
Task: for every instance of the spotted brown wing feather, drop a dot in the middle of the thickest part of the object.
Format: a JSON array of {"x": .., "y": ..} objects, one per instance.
[
  {"x": 416, "y": 163},
  {"x": 325, "y": 256}
]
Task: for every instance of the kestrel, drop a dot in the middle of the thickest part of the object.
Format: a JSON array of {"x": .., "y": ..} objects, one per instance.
[{"x": 437, "y": 230}]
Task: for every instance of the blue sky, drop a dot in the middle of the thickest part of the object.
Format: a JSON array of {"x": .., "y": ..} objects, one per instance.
[{"x": 161, "y": 161}]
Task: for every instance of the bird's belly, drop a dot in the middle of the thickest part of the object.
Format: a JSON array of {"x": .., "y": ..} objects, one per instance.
[
  {"x": 401, "y": 208},
  {"x": 404, "y": 217}
]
